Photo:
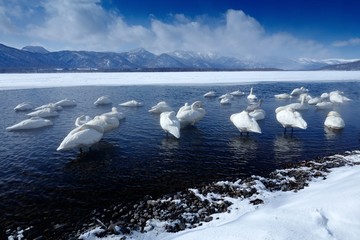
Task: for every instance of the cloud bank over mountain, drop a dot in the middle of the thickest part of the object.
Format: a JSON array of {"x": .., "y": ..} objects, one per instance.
[{"x": 87, "y": 25}]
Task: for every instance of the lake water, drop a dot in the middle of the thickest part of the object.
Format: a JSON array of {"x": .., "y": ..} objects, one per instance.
[{"x": 41, "y": 187}]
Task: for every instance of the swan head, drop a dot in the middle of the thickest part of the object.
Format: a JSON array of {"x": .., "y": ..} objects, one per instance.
[{"x": 197, "y": 104}]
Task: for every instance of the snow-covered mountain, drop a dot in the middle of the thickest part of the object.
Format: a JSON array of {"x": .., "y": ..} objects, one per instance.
[{"x": 36, "y": 58}]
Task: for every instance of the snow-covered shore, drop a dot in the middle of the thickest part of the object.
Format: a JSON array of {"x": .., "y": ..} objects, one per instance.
[
  {"x": 45, "y": 80},
  {"x": 278, "y": 208}
]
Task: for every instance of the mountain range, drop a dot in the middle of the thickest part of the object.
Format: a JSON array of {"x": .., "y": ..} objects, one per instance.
[{"x": 38, "y": 59}]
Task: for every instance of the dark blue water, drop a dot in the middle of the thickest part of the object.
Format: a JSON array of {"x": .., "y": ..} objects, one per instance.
[{"x": 42, "y": 187}]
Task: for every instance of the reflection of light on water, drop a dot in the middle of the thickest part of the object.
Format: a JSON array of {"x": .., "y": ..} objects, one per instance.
[
  {"x": 287, "y": 147},
  {"x": 331, "y": 134},
  {"x": 243, "y": 148}
]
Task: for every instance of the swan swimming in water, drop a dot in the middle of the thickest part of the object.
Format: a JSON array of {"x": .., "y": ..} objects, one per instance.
[
  {"x": 160, "y": 107},
  {"x": 32, "y": 123},
  {"x": 131, "y": 103},
  {"x": 210, "y": 94},
  {"x": 105, "y": 122},
  {"x": 244, "y": 122},
  {"x": 237, "y": 93},
  {"x": 82, "y": 120},
  {"x": 114, "y": 113},
  {"x": 65, "y": 103},
  {"x": 298, "y": 91},
  {"x": 299, "y": 106},
  {"x": 25, "y": 106},
  {"x": 103, "y": 100},
  {"x": 44, "y": 113},
  {"x": 334, "y": 121},
  {"x": 251, "y": 96},
  {"x": 282, "y": 96},
  {"x": 170, "y": 124},
  {"x": 83, "y": 136},
  {"x": 288, "y": 117},
  {"x": 190, "y": 115}
]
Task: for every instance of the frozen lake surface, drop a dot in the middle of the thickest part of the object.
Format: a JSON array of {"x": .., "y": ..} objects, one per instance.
[{"x": 42, "y": 187}]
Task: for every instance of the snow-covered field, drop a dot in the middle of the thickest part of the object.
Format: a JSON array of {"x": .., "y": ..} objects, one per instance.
[
  {"x": 327, "y": 209},
  {"x": 44, "y": 80}
]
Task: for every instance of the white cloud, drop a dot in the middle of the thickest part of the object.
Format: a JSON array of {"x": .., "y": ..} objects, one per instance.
[
  {"x": 346, "y": 43},
  {"x": 85, "y": 25}
]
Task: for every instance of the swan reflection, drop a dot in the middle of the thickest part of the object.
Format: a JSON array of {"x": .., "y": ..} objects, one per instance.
[
  {"x": 244, "y": 148},
  {"x": 330, "y": 133},
  {"x": 286, "y": 148}
]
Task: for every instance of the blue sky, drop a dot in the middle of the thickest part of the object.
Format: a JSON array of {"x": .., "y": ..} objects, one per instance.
[{"x": 247, "y": 29}]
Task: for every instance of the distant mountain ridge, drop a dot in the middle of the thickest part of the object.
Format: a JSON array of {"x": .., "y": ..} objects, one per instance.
[{"x": 37, "y": 58}]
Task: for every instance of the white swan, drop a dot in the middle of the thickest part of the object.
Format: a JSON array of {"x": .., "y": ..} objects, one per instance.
[
  {"x": 105, "y": 122},
  {"x": 49, "y": 105},
  {"x": 334, "y": 121},
  {"x": 225, "y": 101},
  {"x": 337, "y": 97},
  {"x": 244, "y": 123},
  {"x": 226, "y": 95},
  {"x": 298, "y": 91},
  {"x": 210, "y": 94},
  {"x": 131, "y": 103},
  {"x": 314, "y": 101},
  {"x": 324, "y": 105},
  {"x": 251, "y": 96},
  {"x": 160, "y": 107},
  {"x": 282, "y": 96},
  {"x": 24, "y": 106},
  {"x": 82, "y": 120},
  {"x": 44, "y": 113},
  {"x": 299, "y": 106},
  {"x": 288, "y": 117},
  {"x": 103, "y": 100},
  {"x": 32, "y": 123},
  {"x": 257, "y": 114},
  {"x": 65, "y": 103},
  {"x": 237, "y": 93},
  {"x": 191, "y": 115},
  {"x": 82, "y": 136},
  {"x": 170, "y": 124},
  {"x": 114, "y": 113}
]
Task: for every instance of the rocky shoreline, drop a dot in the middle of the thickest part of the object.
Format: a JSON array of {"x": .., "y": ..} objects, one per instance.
[{"x": 194, "y": 207}]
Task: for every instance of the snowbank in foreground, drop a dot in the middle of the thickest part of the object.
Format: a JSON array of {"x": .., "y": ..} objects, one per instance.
[
  {"x": 327, "y": 209},
  {"x": 44, "y": 80}
]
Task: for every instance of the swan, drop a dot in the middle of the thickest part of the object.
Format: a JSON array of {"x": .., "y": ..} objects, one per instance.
[
  {"x": 324, "y": 105},
  {"x": 237, "y": 93},
  {"x": 103, "y": 100},
  {"x": 288, "y": 117},
  {"x": 170, "y": 124},
  {"x": 105, "y": 122},
  {"x": 298, "y": 91},
  {"x": 226, "y": 95},
  {"x": 225, "y": 101},
  {"x": 32, "y": 123},
  {"x": 82, "y": 120},
  {"x": 83, "y": 136},
  {"x": 324, "y": 96},
  {"x": 24, "y": 106},
  {"x": 244, "y": 122},
  {"x": 314, "y": 101},
  {"x": 251, "y": 96},
  {"x": 334, "y": 121},
  {"x": 189, "y": 115},
  {"x": 44, "y": 113},
  {"x": 257, "y": 114},
  {"x": 131, "y": 103},
  {"x": 254, "y": 105},
  {"x": 65, "y": 103},
  {"x": 210, "y": 94},
  {"x": 299, "y": 106},
  {"x": 337, "y": 97},
  {"x": 49, "y": 105},
  {"x": 114, "y": 113},
  {"x": 282, "y": 96},
  {"x": 160, "y": 107}
]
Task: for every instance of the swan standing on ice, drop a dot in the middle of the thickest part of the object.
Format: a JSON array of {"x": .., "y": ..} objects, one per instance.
[
  {"x": 170, "y": 124},
  {"x": 334, "y": 121},
  {"x": 251, "y": 96},
  {"x": 32, "y": 123},
  {"x": 160, "y": 108},
  {"x": 288, "y": 117},
  {"x": 189, "y": 115},
  {"x": 245, "y": 123},
  {"x": 24, "y": 106},
  {"x": 83, "y": 136},
  {"x": 103, "y": 100},
  {"x": 131, "y": 103}
]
